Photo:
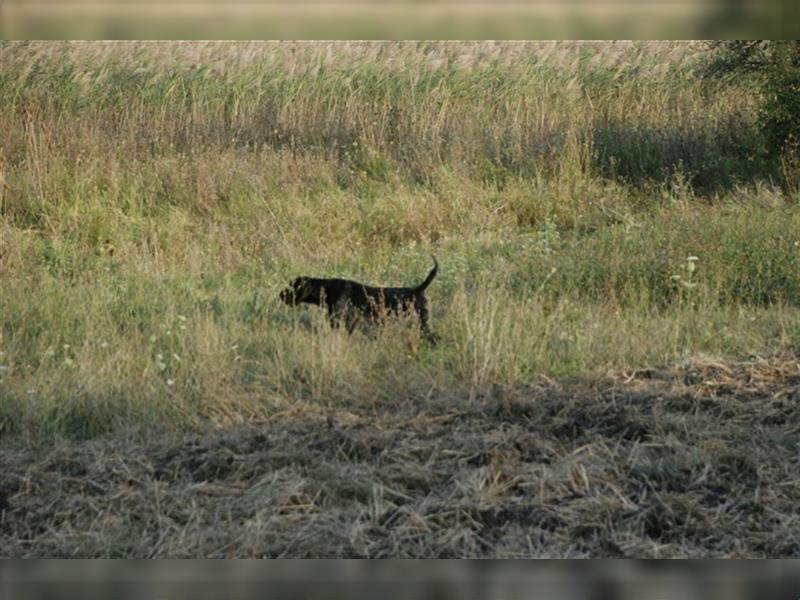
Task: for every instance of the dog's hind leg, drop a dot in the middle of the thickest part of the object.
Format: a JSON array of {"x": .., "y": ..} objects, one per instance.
[{"x": 429, "y": 335}]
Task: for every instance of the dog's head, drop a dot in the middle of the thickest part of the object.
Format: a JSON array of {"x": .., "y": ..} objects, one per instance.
[{"x": 302, "y": 289}]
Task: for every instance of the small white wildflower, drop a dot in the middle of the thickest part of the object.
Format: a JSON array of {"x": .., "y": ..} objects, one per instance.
[
  {"x": 170, "y": 382},
  {"x": 68, "y": 361},
  {"x": 182, "y": 318},
  {"x": 66, "y": 346},
  {"x": 104, "y": 344},
  {"x": 692, "y": 258}
]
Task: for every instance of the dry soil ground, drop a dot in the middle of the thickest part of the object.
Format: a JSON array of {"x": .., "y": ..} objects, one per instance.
[{"x": 701, "y": 459}]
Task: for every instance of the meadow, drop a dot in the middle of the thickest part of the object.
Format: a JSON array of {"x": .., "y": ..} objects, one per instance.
[
  {"x": 156, "y": 197},
  {"x": 598, "y": 210}
]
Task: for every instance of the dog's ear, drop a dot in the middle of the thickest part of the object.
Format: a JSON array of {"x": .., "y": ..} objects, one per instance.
[
  {"x": 306, "y": 290},
  {"x": 298, "y": 287}
]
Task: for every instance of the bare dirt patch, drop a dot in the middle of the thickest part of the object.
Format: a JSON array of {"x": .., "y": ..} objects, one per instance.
[{"x": 698, "y": 460}]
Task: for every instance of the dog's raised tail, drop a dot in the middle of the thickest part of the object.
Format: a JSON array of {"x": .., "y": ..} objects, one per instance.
[{"x": 421, "y": 287}]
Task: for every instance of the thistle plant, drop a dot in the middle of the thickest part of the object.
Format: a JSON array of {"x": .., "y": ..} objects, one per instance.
[{"x": 685, "y": 280}]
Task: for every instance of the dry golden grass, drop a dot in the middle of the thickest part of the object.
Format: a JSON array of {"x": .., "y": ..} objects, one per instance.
[{"x": 695, "y": 460}]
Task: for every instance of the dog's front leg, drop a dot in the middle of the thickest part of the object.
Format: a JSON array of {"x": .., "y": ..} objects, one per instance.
[{"x": 342, "y": 313}]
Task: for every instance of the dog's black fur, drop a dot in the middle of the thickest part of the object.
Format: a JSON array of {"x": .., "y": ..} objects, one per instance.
[{"x": 348, "y": 301}]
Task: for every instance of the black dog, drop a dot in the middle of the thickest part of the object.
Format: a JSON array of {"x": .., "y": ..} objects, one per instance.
[{"x": 349, "y": 301}]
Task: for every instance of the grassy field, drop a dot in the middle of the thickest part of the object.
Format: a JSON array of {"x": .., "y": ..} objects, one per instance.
[{"x": 596, "y": 209}]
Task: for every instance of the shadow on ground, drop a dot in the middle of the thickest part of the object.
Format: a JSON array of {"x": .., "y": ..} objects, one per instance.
[
  {"x": 709, "y": 158},
  {"x": 698, "y": 460}
]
